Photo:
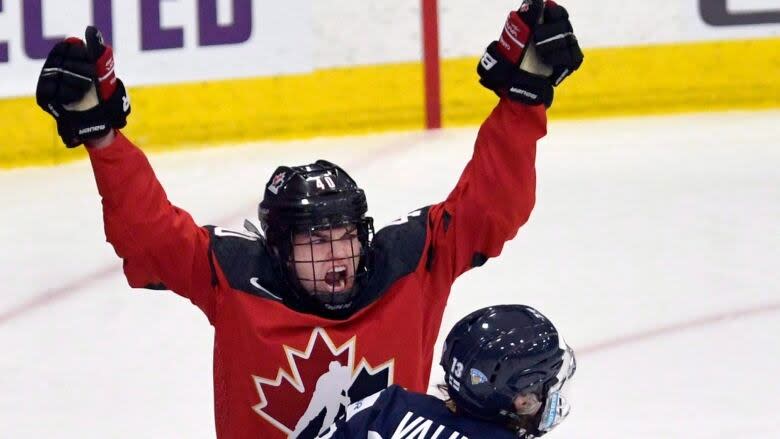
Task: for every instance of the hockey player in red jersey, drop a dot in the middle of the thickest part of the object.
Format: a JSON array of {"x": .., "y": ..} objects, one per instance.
[{"x": 302, "y": 310}]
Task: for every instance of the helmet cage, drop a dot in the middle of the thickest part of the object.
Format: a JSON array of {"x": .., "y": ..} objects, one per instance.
[
  {"x": 556, "y": 406},
  {"x": 322, "y": 294}
]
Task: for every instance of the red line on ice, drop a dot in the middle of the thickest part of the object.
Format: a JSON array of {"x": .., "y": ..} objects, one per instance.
[
  {"x": 53, "y": 295},
  {"x": 696, "y": 323}
]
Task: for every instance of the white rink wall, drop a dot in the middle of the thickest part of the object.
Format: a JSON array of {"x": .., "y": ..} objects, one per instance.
[
  {"x": 272, "y": 38},
  {"x": 349, "y": 32},
  {"x": 304, "y": 35}
]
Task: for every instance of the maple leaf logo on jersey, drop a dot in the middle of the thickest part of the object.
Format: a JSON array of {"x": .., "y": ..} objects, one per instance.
[{"x": 322, "y": 381}]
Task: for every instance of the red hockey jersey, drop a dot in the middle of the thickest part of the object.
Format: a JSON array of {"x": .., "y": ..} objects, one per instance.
[{"x": 282, "y": 373}]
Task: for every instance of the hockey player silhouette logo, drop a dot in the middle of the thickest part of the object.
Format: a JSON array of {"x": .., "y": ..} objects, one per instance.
[
  {"x": 335, "y": 382},
  {"x": 317, "y": 385}
]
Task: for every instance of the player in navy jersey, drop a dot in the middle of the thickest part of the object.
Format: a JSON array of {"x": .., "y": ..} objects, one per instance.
[{"x": 506, "y": 369}]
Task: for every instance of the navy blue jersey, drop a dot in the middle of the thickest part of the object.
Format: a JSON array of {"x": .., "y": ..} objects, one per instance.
[{"x": 395, "y": 413}]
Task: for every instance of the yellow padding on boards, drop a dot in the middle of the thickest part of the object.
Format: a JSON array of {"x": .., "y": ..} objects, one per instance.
[
  {"x": 613, "y": 81},
  {"x": 327, "y": 102},
  {"x": 641, "y": 80}
]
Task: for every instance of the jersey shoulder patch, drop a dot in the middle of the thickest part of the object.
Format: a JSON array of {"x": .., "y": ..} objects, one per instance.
[{"x": 246, "y": 262}]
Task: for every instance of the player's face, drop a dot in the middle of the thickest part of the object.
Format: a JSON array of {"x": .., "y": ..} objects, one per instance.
[
  {"x": 326, "y": 260},
  {"x": 527, "y": 404}
]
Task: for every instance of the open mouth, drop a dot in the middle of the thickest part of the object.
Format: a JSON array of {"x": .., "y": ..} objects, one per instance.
[{"x": 336, "y": 278}]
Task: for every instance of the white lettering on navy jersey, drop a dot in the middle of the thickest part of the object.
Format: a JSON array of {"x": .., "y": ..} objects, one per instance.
[{"x": 420, "y": 428}]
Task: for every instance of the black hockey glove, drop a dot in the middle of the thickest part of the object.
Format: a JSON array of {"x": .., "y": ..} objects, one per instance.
[
  {"x": 499, "y": 68},
  {"x": 77, "y": 86},
  {"x": 556, "y": 43}
]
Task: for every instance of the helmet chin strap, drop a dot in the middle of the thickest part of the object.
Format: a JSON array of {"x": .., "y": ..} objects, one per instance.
[
  {"x": 320, "y": 300},
  {"x": 331, "y": 300}
]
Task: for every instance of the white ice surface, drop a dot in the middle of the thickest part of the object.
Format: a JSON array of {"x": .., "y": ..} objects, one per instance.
[{"x": 642, "y": 226}]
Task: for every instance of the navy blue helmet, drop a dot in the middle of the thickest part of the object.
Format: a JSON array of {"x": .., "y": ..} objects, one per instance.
[
  {"x": 507, "y": 364},
  {"x": 307, "y": 199}
]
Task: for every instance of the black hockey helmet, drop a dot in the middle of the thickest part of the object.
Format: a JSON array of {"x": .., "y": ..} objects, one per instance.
[
  {"x": 305, "y": 199},
  {"x": 499, "y": 353}
]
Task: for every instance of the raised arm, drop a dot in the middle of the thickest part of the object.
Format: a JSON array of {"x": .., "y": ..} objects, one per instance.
[
  {"x": 160, "y": 244},
  {"x": 496, "y": 192}
]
